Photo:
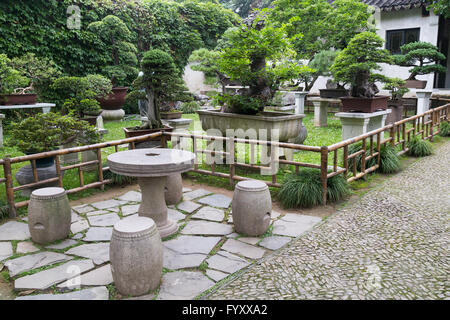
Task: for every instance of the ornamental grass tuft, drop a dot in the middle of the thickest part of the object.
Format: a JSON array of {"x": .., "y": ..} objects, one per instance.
[
  {"x": 389, "y": 161},
  {"x": 444, "y": 130},
  {"x": 419, "y": 148},
  {"x": 304, "y": 190}
]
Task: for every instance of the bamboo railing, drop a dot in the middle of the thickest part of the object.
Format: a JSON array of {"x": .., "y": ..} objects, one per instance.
[{"x": 425, "y": 125}]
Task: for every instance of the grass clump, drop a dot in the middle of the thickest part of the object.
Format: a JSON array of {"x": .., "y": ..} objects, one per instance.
[
  {"x": 389, "y": 161},
  {"x": 444, "y": 130},
  {"x": 419, "y": 148},
  {"x": 304, "y": 190}
]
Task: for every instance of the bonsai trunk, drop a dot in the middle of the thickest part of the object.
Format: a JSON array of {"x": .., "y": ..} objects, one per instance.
[
  {"x": 362, "y": 87},
  {"x": 260, "y": 88},
  {"x": 153, "y": 114}
]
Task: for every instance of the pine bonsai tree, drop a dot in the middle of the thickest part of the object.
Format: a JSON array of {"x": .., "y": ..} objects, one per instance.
[{"x": 423, "y": 57}]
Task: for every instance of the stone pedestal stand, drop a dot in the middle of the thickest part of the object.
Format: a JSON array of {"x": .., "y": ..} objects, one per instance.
[
  {"x": 423, "y": 101},
  {"x": 357, "y": 123},
  {"x": 321, "y": 110},
  {"x": 136, "y": 255},
  {"x": 49, "y": 215},
  {"x": 151, "y": 167}
]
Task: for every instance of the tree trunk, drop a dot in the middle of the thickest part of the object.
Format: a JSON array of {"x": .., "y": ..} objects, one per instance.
[{"x": 153, "y": 115}]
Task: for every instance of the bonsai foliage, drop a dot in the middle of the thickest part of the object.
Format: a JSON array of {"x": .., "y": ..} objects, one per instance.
[
  {"x": 419, "y": 148},
  {"x": 304, "y": 190},
  {"x": 356, "y": 63},
  {"x": 80, "y": 108},
  {"x": 423, "y": 57},
  {"x": 321, "y": 64},
  {"x": 206, "y": 61},
  {"x": 444, "y": 130},
  {"x": 161, "y": 81},
  {"x": 116, "y": 35},
  {"x": 259, "y": 56},
  {"x": 396, "y": 87},
  {"x": 389, "y": 161},
  {"x": 10, "y": 79},
  {"x": 189, "y": 107},
  {"x": 47, "y": 131},
  {"x": 441, "y": 7}
]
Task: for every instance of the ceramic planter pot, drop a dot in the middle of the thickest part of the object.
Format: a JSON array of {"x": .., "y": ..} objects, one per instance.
[
  {"x": 397, "y": 111},
  {"x": 171, "y": 115},
  {"x": 333, "y": 93},
  {"x": 353, "y": 104},
  {"x": 151, "y": 143},
  {"x": 18, "y": 99},
  {"x": 415, "y": 84},
  {"x": 115, "y": 100}
]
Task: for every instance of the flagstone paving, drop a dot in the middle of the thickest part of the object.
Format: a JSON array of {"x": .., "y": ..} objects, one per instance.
[{"x": 205, "y": 251}]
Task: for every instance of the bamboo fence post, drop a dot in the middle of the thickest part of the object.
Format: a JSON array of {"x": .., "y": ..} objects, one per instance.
[
  {"x": 100, "y": 168},
  {"x": 363, "y": 156},
  {"x": 231, "y": 160},
  {"x": 58, "y": 171},
  {"x": 9, "y": 187},
  {"x": 324, "y": 172},
  {"x": 392, "y": 135},
  {"x": 345, "y": 162}
]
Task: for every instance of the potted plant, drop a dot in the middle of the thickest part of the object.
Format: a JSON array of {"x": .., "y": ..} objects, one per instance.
[
  {"x": 397, "y": 88},
  {"x": 321, "y": 63},
  {"x": 260, "y": 57},
  {"x": 86, "y": 109},
  {"x": 355, "y": 65},
  {"x": 11, "y": 85},
  {"x": 115, "y": 34},
  {"x": 424, "y": 58}
]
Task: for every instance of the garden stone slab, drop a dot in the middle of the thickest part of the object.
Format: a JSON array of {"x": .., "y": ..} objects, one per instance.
[
  {"x": 6, "y": 250},
  {"x": 104, "y": 220},
  {"x": 274, "y": 242},
  {"x": 26, "y": 247},
  {"x": 97, "y": 293},
  {"x": 114, "y": 209},
  {"x": 226, "y": 262},
  {"x": 244, "y": 249},
  {"x": 249, "y": 240},
  {"x": 79, "y": 226},
  {"x": 78, "y": 236},
  {"x": 97, "y": 277},
  {"x": 98, "y": 252},
  {"x": 183, "y": 285},
  {"x": 175, "y": 215},
  {"x": 65, "y": 244},
  {"x": 75, "y": 217},
  {"x": 34, "y": 261},
  {"x": 47, "y": 278},
  {"x": 216, "y": 275},
  {"x": 293, "y": 225},
  {"x": 129, "y": 209},
  {"x": 186, "y": 190},
  {"x": 192, "y": 244},
  {"x": 216, "y": 200},
  {"x": 98, "y": 234},
  {"x": 188, "y": 206},
  {"x": 233, "y": 235},
  {"x": 174, "y": 260},
  {"x": 13, "y": 230},
  {"x": 274, "y": 215},
  {"x": 196, "y": 194},
  {"x": 131, "y": 196},
  {"x": 108, "y": 204},
  {"x": 207, "y": 228},
  {"x": 209, "y": 213},
  {"x": 85, "y": 208},
  {"x": 97, "y": 212}
]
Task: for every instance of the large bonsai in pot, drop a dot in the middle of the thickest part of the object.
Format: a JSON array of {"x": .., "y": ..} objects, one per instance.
[
  {"x": 424, "y": 59},
  {"x": 123, "y": 69},
  {"x": 10, "y": 82},
  {"x": 356, "y": 65},
  {"x": 396, "y": 87}
]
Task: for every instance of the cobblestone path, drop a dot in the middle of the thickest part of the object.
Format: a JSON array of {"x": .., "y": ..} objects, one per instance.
[{"x": 393, "y": 243}]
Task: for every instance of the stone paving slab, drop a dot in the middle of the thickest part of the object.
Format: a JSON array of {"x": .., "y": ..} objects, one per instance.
[
  {"x": 98, "y": 212},
  {"x": 274, "y": 242},
  {"x": 174, "y": 260},
  {"x": 216, "y": 200},
  {"x": 249, "y": 240},
  {"x": 188, "y": 206},
  {"x": 85, "y": 208},
  {"x": 108, "y": 204},
  {"x": 75, "y": 217},
  {"x": 62, "y": 245},
  {"x": 244, "y": 249},
  {"x": 79, "y": 226},
  {"x": 216, "y": 275},
  {"x": 206, "y": 228},
  {"x": 209, "y": 213},
  {"x": 97, "y": 293},
  {"x": 192, "y": 244},
  {"x": 196, "y": 194},
  {"x": 98, "y": 234},
  {"x": 13, "y": 230},
  {"x": 97, "y": 252},
  {"x": 6, "y": 250},
  {"x": 183, "y": 285},
  {"x": 45, "y": 279},
  {"x": 34, "y": 261},
  {"x": 293, "y": 225},
  {"x": 132, "y": 196},
  {"x": 175, "y": 215},
  {"x": 98, "y": 277},
  {"x": 104, "y": 220},
  {"x": 129, "y": 209},
  {"x": 26, "y": 247},
  {"x": 226, "y": 262}
]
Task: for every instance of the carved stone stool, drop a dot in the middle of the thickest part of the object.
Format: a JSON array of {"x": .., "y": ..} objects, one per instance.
[
  {"x": 136, "y": 255},
  {"x": 49, "y": 215},
  {"x": 251, "y": 207}
]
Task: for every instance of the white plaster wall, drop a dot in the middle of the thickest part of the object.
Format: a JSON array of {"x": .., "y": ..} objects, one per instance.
[{"x": 195, "y": 80}]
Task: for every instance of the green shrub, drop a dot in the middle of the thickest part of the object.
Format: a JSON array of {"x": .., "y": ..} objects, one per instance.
[
  {"x": 190, "y": 107},
  {"x": 444, "y": 130},
  {"x": 241, "y": 104},
  {"x": 389, "y": 161},
  {"x": 118, "y": 179},
  {"x": 81, "y": 108},
  {"x": 419, "y": 148},
  {"x": 304, "y": 190}
]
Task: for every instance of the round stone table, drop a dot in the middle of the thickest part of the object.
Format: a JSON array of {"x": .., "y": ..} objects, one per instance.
[{"x": 151, "y": 167}]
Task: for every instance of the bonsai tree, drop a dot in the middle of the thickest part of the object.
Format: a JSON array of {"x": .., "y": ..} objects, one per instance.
[
  {"x": 161, "y": 82},
  {"x": 10, "y": 79},
  {"x": 47, "y": 131},
  {"x": 260, "y": 56},
  {"x": 82, "y": 108},
  {"x": 397, "y": 88},
  {"x": 322, "y": 63},
  {"x": 423, "y": 57},
  {"x": 357, "y": 62},
  {"x": 115, "y": 34}
]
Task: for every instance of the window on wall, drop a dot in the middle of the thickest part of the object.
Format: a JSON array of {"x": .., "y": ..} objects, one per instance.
[{"x": 396, "y": 38}]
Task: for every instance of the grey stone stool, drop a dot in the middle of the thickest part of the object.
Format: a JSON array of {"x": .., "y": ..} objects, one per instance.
[
  {"x": 136, "y": 255},
  {"x": 49, "y": 215},
  {"x": 251, "y": 207},
  {"x": 173, "y": 191}
]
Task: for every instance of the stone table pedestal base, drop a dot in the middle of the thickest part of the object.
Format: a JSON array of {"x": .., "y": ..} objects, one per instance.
[{"x": 358, "y": 123}]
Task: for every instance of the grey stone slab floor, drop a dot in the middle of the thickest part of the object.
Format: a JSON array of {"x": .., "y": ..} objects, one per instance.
[{"x": 391, "y": 244}]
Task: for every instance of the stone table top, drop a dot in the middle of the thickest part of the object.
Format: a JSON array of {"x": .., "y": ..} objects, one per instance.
[
  {"x": 362, "y": 114},
  {"x": 151, "y": 162},
  {"x": 319, "y": 99},
  {"x": 28, "y": 106}
]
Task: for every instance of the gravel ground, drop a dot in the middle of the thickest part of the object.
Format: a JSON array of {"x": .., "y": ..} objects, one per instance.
[{"x": 391, "y": 244}]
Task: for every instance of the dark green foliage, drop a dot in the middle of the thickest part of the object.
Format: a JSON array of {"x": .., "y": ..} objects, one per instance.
[
  {"x": 189, "y": 107},
  {"x": 118, "y": 179},
  {"x": 81, "y": 108},
  {"x": 419, "y": 148},
  {"x": 389, "y": 161},
  {"x": 242, "y": 104},
  {"x": 304, "y": 190},
  {"x": 10, "y": 78},
  {"x": 444, "y": 130}
]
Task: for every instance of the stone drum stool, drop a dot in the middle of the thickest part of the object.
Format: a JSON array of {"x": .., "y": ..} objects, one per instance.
[
  {"x": 251, "y": 207},
  {"x": 136, "y": 255},
  {"x": 49, "y": 215}
]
